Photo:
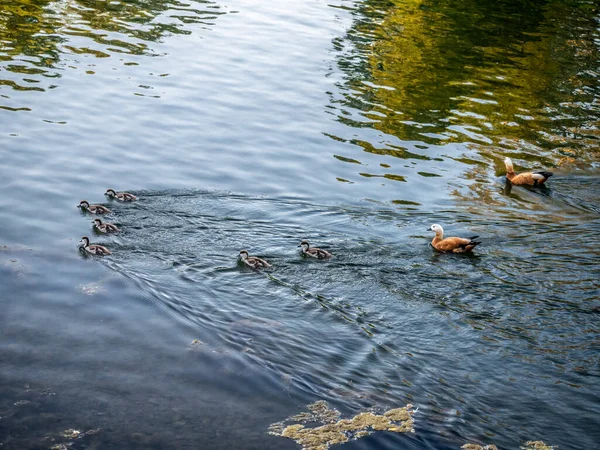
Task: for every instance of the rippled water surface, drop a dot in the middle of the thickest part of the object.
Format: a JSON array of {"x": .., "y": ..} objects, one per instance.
[{"x": 355, "y": 125}]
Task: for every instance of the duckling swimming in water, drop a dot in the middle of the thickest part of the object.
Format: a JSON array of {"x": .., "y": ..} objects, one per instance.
[
  {"x": 253, "y": 261},
  {"x": 121, "y": 196},
  {"x": 93, "y": 249},
  {"x": 314, "y": 252},
  {"x": 93, "y": 209},
  {"x": 525, "y": 178},
  {"x": 451, "y": 244},
  {"x": 105, "y": 227}
]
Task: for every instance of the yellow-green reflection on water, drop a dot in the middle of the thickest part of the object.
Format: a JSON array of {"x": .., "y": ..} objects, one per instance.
[{"x": 492, "y": 77}]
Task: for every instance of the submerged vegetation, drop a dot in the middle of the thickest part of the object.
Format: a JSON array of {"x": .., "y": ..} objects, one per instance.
[
  {"x": 530, "y": 445},
  {"x": 338, "y": 431}
]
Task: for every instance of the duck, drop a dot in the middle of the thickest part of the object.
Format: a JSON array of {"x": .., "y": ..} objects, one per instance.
[
  {"x": 525, "y": 178},
  {"x": 93, "y": 209},
  {"x": 93, "y": 249},
  {"x": 105, "y": 227},
  {"x": 121, "y": 196},
  {"x": 451, "y": 244},
  {"x": 253, "y": 261},
  {"x": 314, "y": 252}
]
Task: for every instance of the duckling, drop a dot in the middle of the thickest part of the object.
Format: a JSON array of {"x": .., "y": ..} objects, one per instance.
[
  {"x": 526, "y": 178},
  {"x": 314, "y": 252},
  {"x": 93, "y": 209},
  {"x": 104, "y": 227},
  {"x": 253, "y": 261},
  {"x": 121, "y": 196},
  {"x": 452, "y": 244},
  {"x": 93, "y": 249}
]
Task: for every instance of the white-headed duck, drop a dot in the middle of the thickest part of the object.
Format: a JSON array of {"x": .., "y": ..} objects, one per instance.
[
  {"x": 525, "y": 178},
  {"x": 452, "y": 244}
]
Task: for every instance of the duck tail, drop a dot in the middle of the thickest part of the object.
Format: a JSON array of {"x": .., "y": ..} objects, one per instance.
[{"x": 471, "y": 245}]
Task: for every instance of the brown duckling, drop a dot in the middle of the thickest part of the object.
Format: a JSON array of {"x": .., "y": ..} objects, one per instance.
[
  {"x": 253, "y": 261},
  {"x": 525, "y": 178},
  {"x": 93, "y": 209},
  {"x": 121, "y": 196},
  {"x": 314, "y": 252},
  {"x": 93, "y": 249},
  {"x": 105, "y": 227},
  {"x": 452, "y": 244}
]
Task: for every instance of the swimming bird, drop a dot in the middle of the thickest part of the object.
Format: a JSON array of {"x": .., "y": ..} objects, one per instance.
[
  {"x": 525, "y": 178},
  {"x": 93, "y": 249},
  {"x": 253, "y": 261},
  {"x": 314, "y": 252},
  {"x": 93, "y": 209},
  {"x": 121, "y": 196},
  {"x": 451, "y": 244},
  {"x": 105, "y": 227}
]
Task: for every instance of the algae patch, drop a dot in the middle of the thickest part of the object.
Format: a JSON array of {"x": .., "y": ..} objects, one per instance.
[
  {"x": 478, "y": 447},
  {"x": 338, "y": 431},
  {"x": 537, "y": 445},
  {"x": 531, "y": 445}
]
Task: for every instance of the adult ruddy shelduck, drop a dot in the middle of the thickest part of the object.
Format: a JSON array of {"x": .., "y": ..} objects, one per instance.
[
  {"x": 525, "y": 178},
  {"x": 451, "y": 244}
]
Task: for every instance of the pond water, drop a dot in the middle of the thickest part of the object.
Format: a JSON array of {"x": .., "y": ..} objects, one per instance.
[{"x": 353, "y": 124}]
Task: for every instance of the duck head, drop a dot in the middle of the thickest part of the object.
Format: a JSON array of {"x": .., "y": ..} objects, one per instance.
[
  {"x": 509, "y": 165},
  {"x": 110, "y": 193},
  {"x": 97, "y": 222},
  {"x": 85, "y": 241},
  {"x": 244, "y": 255},
  {"x": 305, "y": 245},
  {"x": 437, "y": 228},
  {"x": 84, "y": 204}
]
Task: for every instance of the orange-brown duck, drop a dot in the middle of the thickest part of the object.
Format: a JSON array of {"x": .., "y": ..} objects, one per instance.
[
  {"x": 525, "y": 178},
  {"x": 452, "y": 244}
]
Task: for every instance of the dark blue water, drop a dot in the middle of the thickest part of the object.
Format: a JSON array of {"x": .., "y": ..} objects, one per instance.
[{"x": 355, "y": 125}]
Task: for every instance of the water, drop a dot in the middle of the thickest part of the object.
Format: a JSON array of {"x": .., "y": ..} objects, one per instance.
[{"x": 355, "y": 125}]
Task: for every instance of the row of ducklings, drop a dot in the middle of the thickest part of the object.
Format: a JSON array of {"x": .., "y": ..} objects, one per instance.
[
  {"x": 99, "y": 226},
  {"x": 107, "y": 228}
]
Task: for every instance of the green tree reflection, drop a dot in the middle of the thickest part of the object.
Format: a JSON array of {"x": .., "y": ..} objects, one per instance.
[{"x": 498, "y": 74}]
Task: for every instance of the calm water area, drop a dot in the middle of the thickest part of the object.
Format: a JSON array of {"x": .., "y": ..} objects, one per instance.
[{"x": 256, "y": 124}]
